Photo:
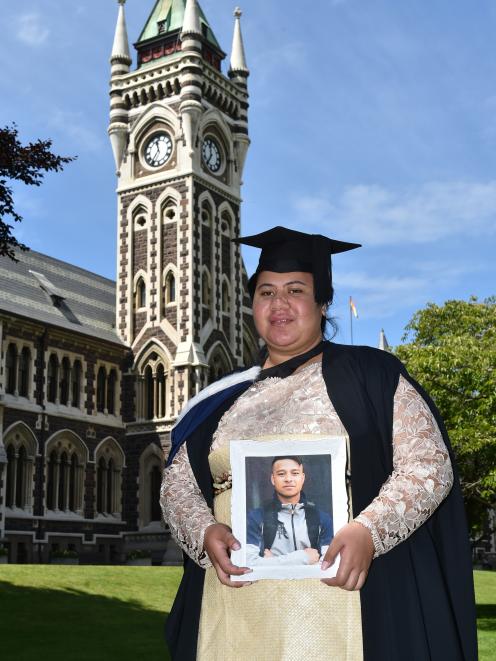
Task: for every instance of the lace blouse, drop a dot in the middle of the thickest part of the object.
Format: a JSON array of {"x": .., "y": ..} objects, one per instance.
[{"x": 422, "y": 475}]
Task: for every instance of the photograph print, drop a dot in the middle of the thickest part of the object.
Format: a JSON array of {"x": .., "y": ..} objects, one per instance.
[{"x": 289, "y": 498}]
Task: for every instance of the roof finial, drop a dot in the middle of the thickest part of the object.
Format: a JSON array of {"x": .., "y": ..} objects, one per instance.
[
  {"x": 120, "y": 49},
  {"x": 238, "y": 57},
  {"x": 191, "y": 23}
]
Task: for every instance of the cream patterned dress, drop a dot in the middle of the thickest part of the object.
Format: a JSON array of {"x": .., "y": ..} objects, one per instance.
[{"x": 302, "y": 619}]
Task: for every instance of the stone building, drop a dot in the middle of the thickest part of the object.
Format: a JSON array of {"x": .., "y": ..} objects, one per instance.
[{"x": 93, "y": 372}]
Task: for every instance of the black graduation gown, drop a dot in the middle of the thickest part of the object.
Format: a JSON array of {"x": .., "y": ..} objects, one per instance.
[{"x": 418, "y": 601}]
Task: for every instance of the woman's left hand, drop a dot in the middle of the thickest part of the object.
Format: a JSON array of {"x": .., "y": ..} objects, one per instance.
[{"x": 354, "y": 542}]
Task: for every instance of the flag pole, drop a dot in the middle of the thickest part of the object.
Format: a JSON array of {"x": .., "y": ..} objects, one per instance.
[{"x": 351, "y": 321}]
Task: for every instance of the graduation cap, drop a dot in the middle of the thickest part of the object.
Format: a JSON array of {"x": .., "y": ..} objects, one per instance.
[{"x": 285, "y": 250}]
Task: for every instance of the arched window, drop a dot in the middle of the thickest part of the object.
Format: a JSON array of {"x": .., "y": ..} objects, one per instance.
[
  {"x": 65, "y": 381},
  {"x": 225, "y": 223},
  {"x": 140, "y": 294},
  {"x": 62, "y": 485},
  {"x": 150, "y": 476},
  {"x": 11, "y": 369},
  {"x": 112, "y": 379},
  {"x": 101, "y": 382},
  {"x": 52, "y": 474},
  {"x": 108, "y": 478},
  {"x": 21, "y": 451},
  {"x": 20, "y": 495},
  {"x": 206, "y": 289},
  {"x": 24, "y": 369},
  {"x": 169, "y": 212},
  {"x": 169, "y": 289},
  {"x": 206, "y": 214},
  {"x": 65, "y": 474},
  {"x": 226, "y": 298},
  {"x": 52, "y": 378},
  {"x": 219, "y": 366},
  {"x": 11, "y": 476},
  {"x": 101, "y": 486},
  {"x": 76, "y": 384},
  {"x": 161, "y": 388},
  {"x": 149, "y": 398}
]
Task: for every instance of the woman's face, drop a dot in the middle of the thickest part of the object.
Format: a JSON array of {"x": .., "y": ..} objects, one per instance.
[{"x": 285, "y": 312}]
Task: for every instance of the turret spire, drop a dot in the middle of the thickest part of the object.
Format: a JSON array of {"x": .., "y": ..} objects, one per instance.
[
  {"x": 238, "y": 57},
  {"x": 191, "y": 23},
  {"x": 121, "y": 57}
]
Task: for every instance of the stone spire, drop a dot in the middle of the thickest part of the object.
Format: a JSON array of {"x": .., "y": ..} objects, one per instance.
[
  {"x": 191, "y": 22},
  {"x": 238, "y": 57},
  {"x": 120, "y": 58},
  {"x": 383, "y": 343},
  {"x": 120, "y": 61}
]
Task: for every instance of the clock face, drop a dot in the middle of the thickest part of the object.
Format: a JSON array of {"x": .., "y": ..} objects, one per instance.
[
  {"x": 158, "y": 150},
  {"x": 211, "y": 154}
]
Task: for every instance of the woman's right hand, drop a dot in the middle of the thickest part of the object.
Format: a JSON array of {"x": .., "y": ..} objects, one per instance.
[{"x": 218, "y": 542}]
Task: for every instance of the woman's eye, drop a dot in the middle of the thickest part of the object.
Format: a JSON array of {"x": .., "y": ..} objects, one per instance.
[
  {"x": 265, "y": 293},
  {"x": 295, "y": 291}
]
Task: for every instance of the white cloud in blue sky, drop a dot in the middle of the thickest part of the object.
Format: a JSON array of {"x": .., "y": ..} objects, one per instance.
[
  {"x": 371, "y": 120},
  {"x": 31, "y": 30}
]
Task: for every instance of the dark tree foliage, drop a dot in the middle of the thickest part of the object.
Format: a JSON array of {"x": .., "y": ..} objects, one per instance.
[{"x": 26, "y": 163}]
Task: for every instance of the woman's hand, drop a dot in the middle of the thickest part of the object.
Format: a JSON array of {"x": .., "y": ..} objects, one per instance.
[
  {"x": 354, "y": 543},
  {"x": 218, "y": 542}
]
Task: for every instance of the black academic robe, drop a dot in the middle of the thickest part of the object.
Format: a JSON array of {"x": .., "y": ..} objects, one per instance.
[{"x": 418, "y": 601}]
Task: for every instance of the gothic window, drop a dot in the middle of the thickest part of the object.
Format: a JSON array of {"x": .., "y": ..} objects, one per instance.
[
  {"x": 21, "y": 451},
  {"x": 24, "y": 369},
  {"x": 52, "y": 378},
  {"x": 151, "y": 467},
  {"x": 160, "y": 394},
  {"x": 206, "y": 289},
  {"x": 11, "y": 476},
  {"x": 225, "y": 223},
  {"x": 108, "y": 478},
  {"x": 140, "y": 294},
  {"x": 111, "y": 383},
  {"x": 11, "y": 369},
  {"x": 65, "y": 381},
  {"x": 101, "y": 383},
  {"x": 169, "y": 212},
  {"x": 206, "y": 214},
  {"x": 65, "y": 474},
  {"x": 140, "y": 218},
  {"x": 219, "y": 366},
  {"x": 169, "y": 289},
  {"x": 149, "y": 394},
  {"x": 226, "y": 298},
  {"x": 76, "y": 383}
]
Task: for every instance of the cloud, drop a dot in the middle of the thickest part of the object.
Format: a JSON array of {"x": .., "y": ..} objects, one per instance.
[
  {"x": 426, "y": 214},
  {"x": 31, "y": 31}
]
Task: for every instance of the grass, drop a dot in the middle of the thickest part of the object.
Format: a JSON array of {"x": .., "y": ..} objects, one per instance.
[{"x": 75, "y": 613}]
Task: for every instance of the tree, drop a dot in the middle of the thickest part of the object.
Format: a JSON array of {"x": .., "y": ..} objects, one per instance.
[
  {"x": 25, "y": 163},
  {"x": 451, "y": 351}
]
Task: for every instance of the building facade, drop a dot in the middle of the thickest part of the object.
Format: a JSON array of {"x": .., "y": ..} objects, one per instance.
[{"x": 93, "y": 373}]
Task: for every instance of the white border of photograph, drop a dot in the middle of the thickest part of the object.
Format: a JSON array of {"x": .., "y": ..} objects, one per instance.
[{"x": 240, "y": 450}]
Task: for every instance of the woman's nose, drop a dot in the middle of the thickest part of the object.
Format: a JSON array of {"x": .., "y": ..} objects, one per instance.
[{"x": 279, "y": 300}]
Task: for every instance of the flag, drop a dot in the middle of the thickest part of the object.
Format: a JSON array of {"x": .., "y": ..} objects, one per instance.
[{"x": 353, "y": 308}]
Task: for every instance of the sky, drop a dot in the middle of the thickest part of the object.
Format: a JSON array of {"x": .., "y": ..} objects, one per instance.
[{"x": 371, "y": 121}]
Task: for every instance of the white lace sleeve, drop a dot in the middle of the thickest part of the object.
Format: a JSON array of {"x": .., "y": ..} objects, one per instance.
[
  {"x": 184, "y": 508},
  {"x": 422, "y": 475}
]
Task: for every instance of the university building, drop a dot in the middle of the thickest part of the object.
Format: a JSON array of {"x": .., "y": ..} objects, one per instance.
[{"x": 94, "y": 372}]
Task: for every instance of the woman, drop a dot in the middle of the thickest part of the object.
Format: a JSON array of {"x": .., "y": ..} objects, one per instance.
[{"x": 403, "y": 590}]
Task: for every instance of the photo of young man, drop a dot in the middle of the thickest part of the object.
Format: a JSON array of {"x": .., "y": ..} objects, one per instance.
[{"x": 288, "y": 529}]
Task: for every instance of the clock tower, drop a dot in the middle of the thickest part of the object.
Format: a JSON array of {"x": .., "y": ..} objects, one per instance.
[{"x": 179, "y": 134}]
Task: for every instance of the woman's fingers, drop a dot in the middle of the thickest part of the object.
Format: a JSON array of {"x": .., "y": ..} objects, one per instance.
[
  {"x": 354, "y": 544},
  {"x": 219, "y": 542}
]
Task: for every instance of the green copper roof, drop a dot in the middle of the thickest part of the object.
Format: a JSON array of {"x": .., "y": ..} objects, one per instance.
[{"x": 170, "y": 14}]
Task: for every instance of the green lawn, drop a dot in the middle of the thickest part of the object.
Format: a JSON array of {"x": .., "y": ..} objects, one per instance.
[{"x": 117, "y": 613}]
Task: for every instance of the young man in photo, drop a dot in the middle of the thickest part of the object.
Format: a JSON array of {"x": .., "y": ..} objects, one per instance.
[{"x": 288, "y": 529}]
